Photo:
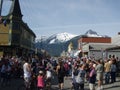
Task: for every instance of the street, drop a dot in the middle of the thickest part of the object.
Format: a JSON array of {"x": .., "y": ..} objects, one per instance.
[{"x": 16, "y": 83}]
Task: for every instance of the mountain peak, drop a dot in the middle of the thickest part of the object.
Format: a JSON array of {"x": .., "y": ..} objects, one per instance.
[
  {"x": 60, "y": 37},
  {"x": 91, "y": 33}
]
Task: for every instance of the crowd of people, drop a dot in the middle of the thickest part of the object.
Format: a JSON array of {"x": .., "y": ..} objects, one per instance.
[
  {"x": 38, "y": 72},
  {"x": 94, "y": 71}
]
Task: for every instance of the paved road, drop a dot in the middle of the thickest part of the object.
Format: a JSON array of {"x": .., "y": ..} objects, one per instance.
[
  {"x": 67, "y": 85},
  {"x": 113, "y": 86},
  {"x": 15, "y": 83}
]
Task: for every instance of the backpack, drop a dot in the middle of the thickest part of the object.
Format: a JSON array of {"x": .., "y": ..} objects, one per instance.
[
  {"x": 80, "y": 77},
  {"x": 66, "y": 66}
]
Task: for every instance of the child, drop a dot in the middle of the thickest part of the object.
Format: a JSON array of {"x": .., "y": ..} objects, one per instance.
[{"x": 40, "y": 81}]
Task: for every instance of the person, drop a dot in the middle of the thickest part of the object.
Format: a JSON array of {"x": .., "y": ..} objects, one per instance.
[
  {"x": 99, "y": 71},
  {"x": 92, "y": 76},
  {"x": 48, "y": 78},
  {"x": 5, "y": 73},
  {"x": 107, "y": 72},
  {"x": 66, "y": 69},
  {"x": 27, "y": 73},
  {"x": 40, "y": 81},
  {"x": 75, "y": 72},
  {"x": 60, "y": 70},
  {"x": 80, "y": 78},
  {"x": 113, "y": 70}
]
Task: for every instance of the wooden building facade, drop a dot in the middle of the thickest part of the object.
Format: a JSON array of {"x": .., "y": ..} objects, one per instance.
[{"x": 16, "y": 38}]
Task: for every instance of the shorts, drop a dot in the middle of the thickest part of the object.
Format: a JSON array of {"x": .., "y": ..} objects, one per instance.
[
  {"x": 92, "y": 86},
  {"x": 27, "y": 79},
  {"x": 99, "y": 76}
]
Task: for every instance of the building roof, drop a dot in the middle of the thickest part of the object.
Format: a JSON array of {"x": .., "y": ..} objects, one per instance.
[
  {"x": 114, "y": 45},
  {"x": 116, "y": 42},
  {"x": 95, "y": 39},
  {"x": 15, "y": 8},
  {"x": 97, "y": 46},
  {"x": 28, "y": 29},
  {"x": 115, "y": 48}
]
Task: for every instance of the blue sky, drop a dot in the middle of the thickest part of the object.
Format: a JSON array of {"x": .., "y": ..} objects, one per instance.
[{"x": 47, "y": 17}]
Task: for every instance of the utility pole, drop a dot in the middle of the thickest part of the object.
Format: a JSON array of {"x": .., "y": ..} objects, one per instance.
[{"x": 1, "y": 3}]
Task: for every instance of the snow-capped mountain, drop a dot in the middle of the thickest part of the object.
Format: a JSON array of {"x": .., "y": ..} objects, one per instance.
[
  {"x": 60, "y": 37},
  {"x": 91, "y": 33},
  {"x": 62, "y": 40},
  {"x": 64, "y": 37}
]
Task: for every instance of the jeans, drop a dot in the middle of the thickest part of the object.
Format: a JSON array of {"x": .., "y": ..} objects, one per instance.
[
  {"x": 107, "y": 77},
  {"x": 113, "y": 77}
]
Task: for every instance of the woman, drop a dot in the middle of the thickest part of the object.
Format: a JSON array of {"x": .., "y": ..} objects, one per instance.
[
  {"x": 61, "y": 73},
  {"x": 40, "y": 81}
]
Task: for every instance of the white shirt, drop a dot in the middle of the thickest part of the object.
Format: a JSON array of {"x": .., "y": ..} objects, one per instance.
[
  {"x": 27, "y": 73},
  {"x": 48, "y": 74}
]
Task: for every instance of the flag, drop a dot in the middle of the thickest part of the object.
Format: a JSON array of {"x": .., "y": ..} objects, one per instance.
[
  {"x": 5, "y": 22},
  {"x": 0, "y": 19}
]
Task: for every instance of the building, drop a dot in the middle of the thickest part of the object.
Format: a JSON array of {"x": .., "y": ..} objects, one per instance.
[
  {"x": 97, "y": 50},
  {"x": 16, "y": 38},
  {"x": 94, "y": 46},
  {"x": 115, "y": 50}
]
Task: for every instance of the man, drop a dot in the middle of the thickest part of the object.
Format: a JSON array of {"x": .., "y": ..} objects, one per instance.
[
  {"x": 99, "y": 70},
  {"x": 107, "y": 71},
  {"x": 92, "y": 76},
  {"x": 27, "y": 73}
]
